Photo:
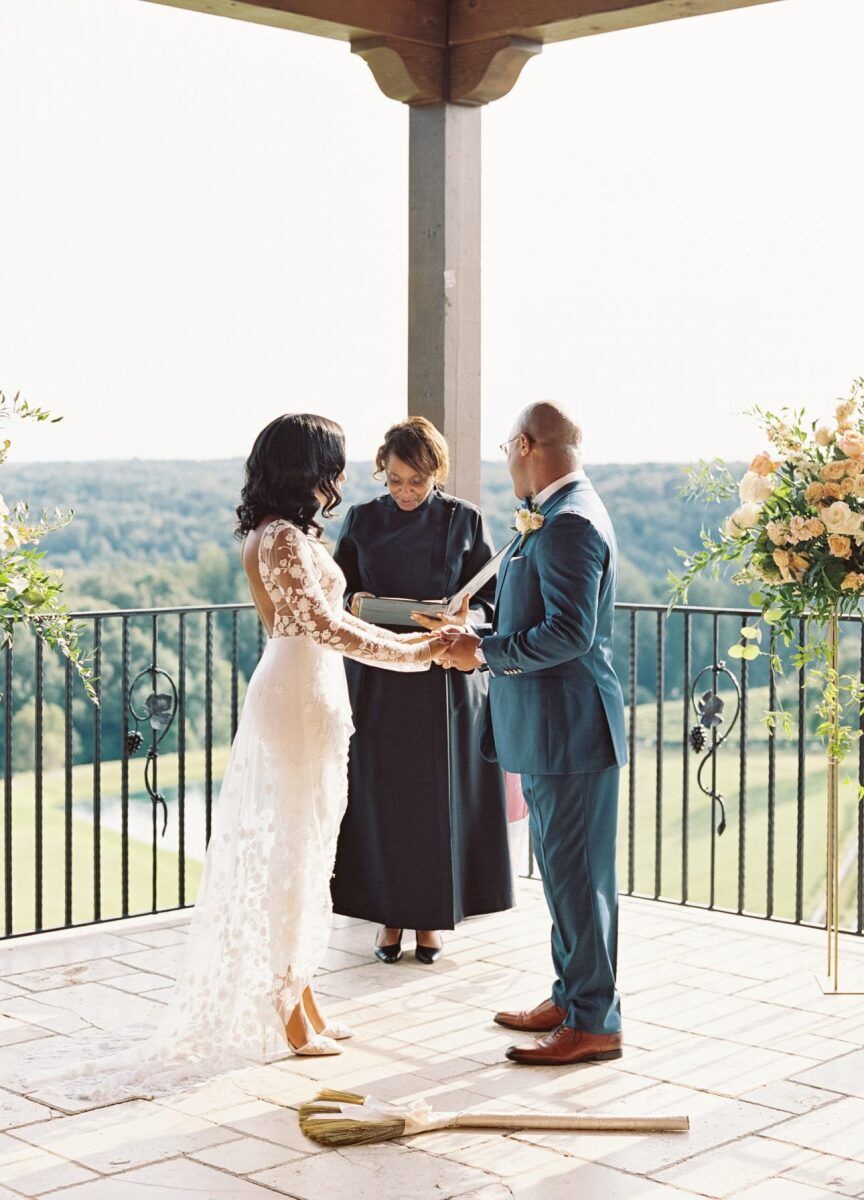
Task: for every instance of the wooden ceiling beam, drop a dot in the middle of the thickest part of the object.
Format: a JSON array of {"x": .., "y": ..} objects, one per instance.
[
  {"x": 421, "y": 21},
  {"x": 560, "y": 20}
]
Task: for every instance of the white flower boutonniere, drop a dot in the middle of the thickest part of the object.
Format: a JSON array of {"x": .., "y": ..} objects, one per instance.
[{"x": 527, "y": 521}]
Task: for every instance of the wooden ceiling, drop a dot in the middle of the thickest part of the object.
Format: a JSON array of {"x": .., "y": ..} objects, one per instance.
[{"x": 428, "y": 52}]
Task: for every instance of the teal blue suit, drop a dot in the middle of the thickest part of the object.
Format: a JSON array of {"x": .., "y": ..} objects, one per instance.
[{"x": 555, "y": 716}]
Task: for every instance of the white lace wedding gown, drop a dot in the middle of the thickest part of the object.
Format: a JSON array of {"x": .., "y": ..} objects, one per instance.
[{"x": 262, "y": 918}]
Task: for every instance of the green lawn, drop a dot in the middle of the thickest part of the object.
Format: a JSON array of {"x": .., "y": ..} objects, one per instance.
[{"x": 54, "y": 873}]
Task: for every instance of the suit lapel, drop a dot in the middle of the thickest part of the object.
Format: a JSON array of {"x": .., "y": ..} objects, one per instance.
[{"x": 503, "y": 568}]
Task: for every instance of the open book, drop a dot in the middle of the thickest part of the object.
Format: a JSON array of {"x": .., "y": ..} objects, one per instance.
[{"x": 397, "y": 610}]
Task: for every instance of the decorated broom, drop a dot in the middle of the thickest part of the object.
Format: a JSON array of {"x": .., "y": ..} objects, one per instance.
[{"x": 347, "y": 1119}]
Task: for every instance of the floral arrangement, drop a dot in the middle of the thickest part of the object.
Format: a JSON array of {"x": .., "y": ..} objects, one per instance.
[
  {"x": 527, "y": 520},
  {"x": 29, "y": 593},
  {"x": 797, "y": 535}
]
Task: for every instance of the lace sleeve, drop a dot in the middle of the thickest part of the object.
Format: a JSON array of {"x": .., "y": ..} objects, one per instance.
[{"x": 292, "y": 579}]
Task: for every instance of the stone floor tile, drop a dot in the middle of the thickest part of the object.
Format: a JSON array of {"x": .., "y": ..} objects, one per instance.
[
  {"x": 571, "y": 1178},
  {"x": 784, "y": 1189},
  {"x": 63, "y": 976},
  {"x": 123, "y": 1135},
  {"x": 160, "y": 937},
  {"x": 268, "y": 1123},
  {"x": 160, "y": 960},
  {"x": 177, "y": 1179},
  {"x": 18, "y": 1110},
  {"x": 714, "y": 1120},
  {"x": 835, "y": 1129},
  {"x": 13, "y": 1031},
  {"x": 245, "y": 1155},
  {"x": 503, "y": 1156},
  {"x": 790, "y": 1097},
  {"x": 59, "y": 950},
  {"x": 102, "y": 1006},
  {"x": 137, "y": 982},
  {"x": 844, "y": 1074},
  {"x": 31, "y": 1171},
  {"x": 740, "y": 1164},
  {"x": 715, "y": 1065},
  {"x": 826, "y": 1171},
  {"x": 378, "y": 1172},
  {"x": 42, "y": 1013}
]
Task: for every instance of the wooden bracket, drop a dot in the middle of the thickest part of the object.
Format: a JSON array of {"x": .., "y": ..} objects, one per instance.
[
  {"x": 484, "y": 71},
  {"x": 406, "y": 71}
]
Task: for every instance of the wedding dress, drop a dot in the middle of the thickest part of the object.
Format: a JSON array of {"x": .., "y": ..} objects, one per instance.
[{"x": 262, "y": 919}]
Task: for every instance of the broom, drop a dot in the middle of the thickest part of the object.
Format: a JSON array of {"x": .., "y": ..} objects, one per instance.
[{"x": 348, "y": 1119}]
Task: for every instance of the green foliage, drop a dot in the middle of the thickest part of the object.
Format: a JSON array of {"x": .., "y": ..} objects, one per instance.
[{"x": 30, "y": 595}]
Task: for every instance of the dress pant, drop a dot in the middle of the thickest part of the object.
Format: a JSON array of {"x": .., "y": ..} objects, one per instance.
[{"x": 573, "y": 822}]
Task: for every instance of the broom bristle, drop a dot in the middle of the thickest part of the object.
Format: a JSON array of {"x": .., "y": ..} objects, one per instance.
[{"x": 347, "y": 1131}]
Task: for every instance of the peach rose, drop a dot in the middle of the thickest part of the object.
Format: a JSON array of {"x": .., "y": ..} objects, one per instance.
[
  {"x": 840, "y": 546},
  {"x": 831, "y": 491},
  {"x": 813, "y": 493},
  {"x": 843, "y": 412},
  {"x": 853, "y": 582},
  {"x": 858, "y": 486},
  {"x": 815, "y": 527},
  {"x": 824, "y": 436},
  {"x": 763, "y": 464},
  {"x": 778, "y": 532},
  {"x": 839, "y": 518},
  {"x": 798, "y": 529},
  {"x": 847, "y": 487},
  {"x": 833, "y": 471},
  {"x": 851, "y": 442},
  {"x": 854, "y": 466}
]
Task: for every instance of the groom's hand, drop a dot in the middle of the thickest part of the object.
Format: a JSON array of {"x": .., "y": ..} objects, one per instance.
[
  {"x": 461, "y": 652},
  {"x": 442, "y": 620}
]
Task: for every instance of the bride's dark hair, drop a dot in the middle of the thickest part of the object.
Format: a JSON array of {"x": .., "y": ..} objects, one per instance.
[{"x": 295, "y": 456}]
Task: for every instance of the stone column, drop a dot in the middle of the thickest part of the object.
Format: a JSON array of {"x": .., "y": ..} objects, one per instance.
[{"x": 444, "y": 282}]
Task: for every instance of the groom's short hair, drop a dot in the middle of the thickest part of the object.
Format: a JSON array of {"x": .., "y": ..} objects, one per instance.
[{"x": 550, "y": 424}]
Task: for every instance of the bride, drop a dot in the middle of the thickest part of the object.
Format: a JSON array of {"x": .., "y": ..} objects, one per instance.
[{"x": 262, "y": 918}]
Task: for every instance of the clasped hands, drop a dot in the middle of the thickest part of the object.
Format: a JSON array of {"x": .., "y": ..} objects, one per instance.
[{"x": 453, "y": 644}]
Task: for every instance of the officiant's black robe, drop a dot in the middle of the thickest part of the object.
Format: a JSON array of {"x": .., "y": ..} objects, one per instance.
[{"x": 424, "y": 841}]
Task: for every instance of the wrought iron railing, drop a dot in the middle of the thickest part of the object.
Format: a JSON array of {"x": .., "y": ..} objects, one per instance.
[{"x": 107, "y": 809}]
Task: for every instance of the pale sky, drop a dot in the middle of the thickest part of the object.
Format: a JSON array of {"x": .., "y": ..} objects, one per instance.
[{"x": 203, "y": 223}]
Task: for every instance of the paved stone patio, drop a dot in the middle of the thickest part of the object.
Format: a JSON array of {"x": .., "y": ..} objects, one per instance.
[{"x": 724, "y": 1021}]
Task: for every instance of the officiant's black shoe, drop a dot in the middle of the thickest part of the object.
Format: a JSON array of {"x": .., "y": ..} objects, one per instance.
[
  {"x": 427, "y": 954},
  {"x": 390, "y": 953}
]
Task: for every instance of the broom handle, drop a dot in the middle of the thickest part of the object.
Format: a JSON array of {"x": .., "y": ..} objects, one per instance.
[{"x": 568, "y": 1121}]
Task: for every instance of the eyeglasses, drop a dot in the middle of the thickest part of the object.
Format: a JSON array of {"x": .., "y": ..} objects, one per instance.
[{"x": 505, "y": 446}]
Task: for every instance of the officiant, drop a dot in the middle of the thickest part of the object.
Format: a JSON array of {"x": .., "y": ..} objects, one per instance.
[{"x": 424, "y": 840}]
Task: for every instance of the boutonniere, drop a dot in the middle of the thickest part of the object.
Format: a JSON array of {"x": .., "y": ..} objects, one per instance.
[{"x": 527, "y": 520}]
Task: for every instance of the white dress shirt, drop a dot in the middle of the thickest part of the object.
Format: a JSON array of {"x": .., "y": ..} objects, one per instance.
[{"x": 541, "y": 497}]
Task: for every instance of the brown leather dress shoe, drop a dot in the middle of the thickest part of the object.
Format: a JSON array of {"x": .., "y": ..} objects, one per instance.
[
  {"x": 545, "y": 1017},
  {"x": 564, "y": 1046}
]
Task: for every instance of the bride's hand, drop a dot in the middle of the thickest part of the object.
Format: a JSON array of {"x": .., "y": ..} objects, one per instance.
[{"x": 444, "y": 619}]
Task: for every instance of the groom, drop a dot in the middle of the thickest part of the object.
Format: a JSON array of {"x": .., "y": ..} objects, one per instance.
[{"x": 555, "y": 715}]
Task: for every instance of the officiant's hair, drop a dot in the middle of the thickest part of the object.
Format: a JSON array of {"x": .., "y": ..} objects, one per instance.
[
  {"x": 419, "y": 444},
  {"x": 295, "y": 456}
]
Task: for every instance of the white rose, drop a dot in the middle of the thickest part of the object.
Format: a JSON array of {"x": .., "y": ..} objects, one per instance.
[
  {"x": 742, "y": 519},
  {"x": 824, "y": 436},
  {"x": 839, "y": 518},
  {"x": 523, "y": 520},
  {"x": 755, "y": 488}
]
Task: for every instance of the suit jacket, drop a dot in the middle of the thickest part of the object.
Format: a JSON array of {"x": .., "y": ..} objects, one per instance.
[{"x": 555, "y": 705}]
